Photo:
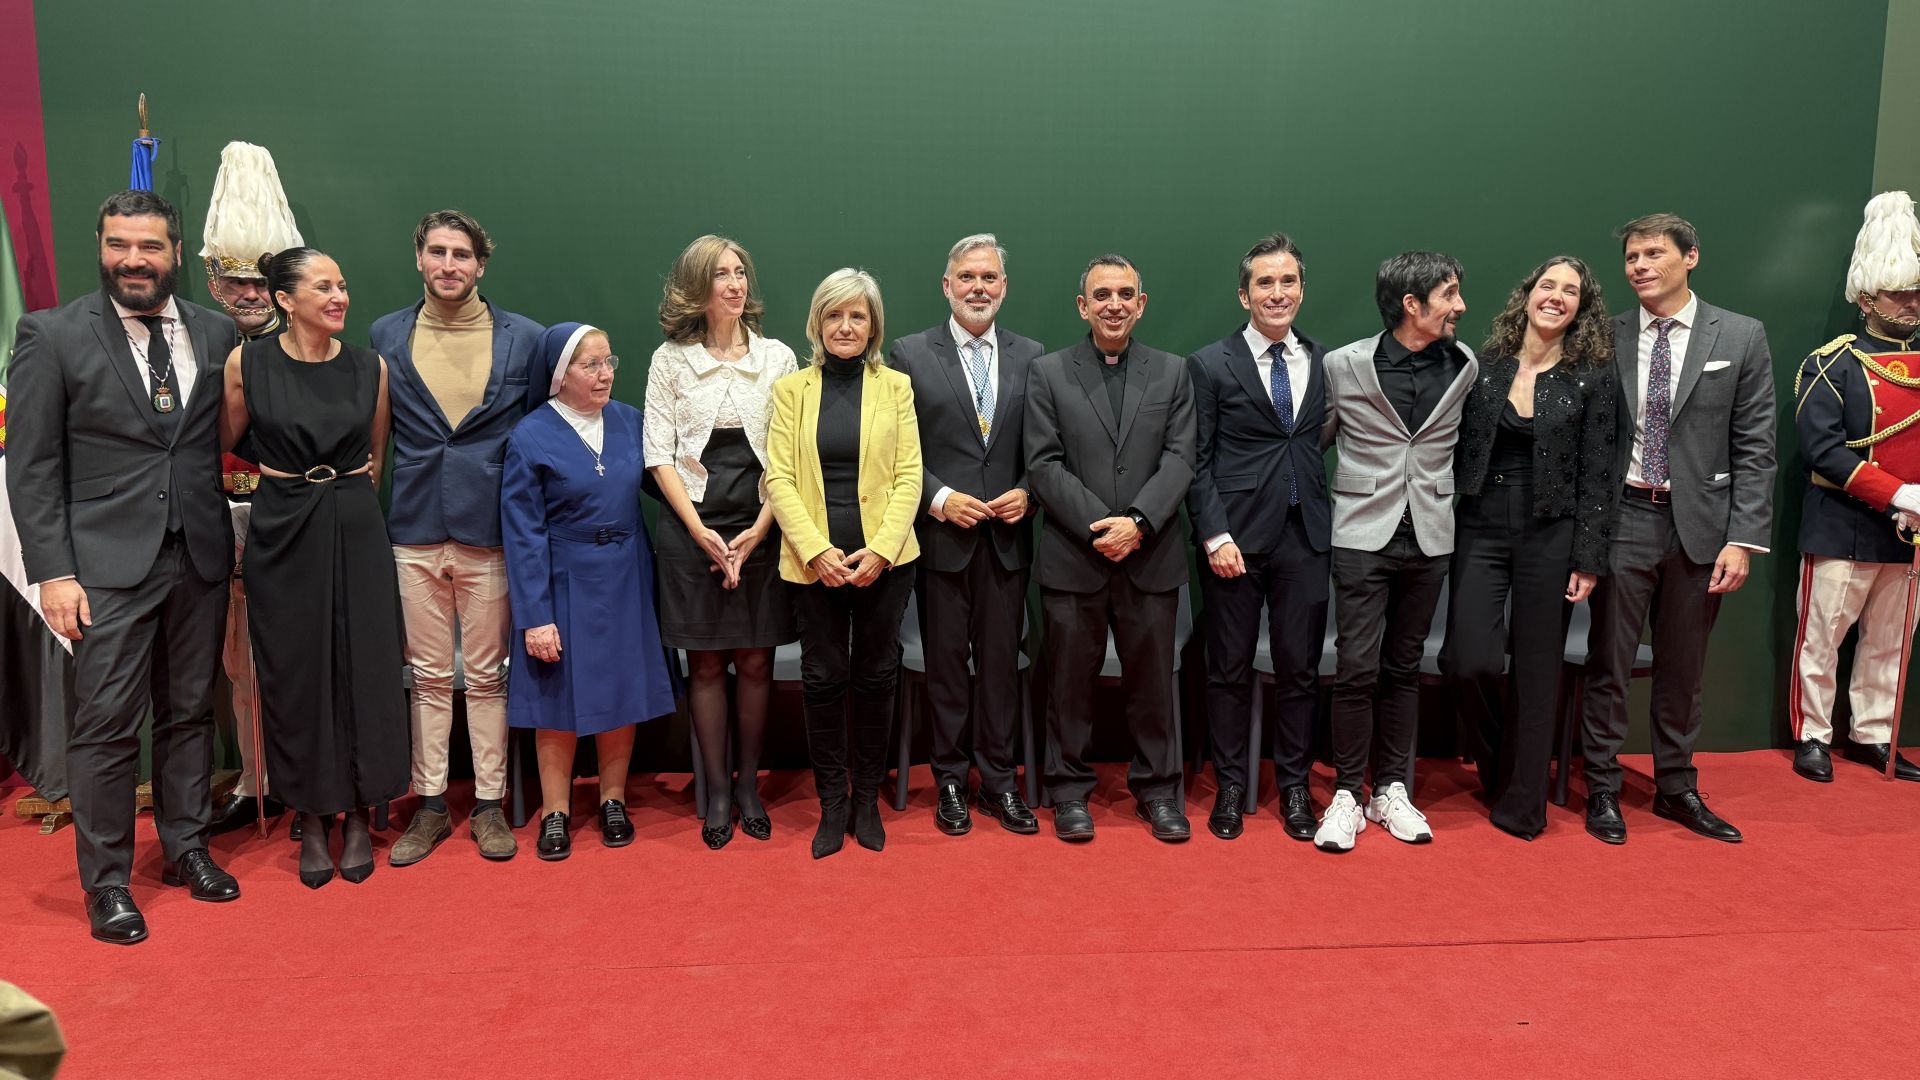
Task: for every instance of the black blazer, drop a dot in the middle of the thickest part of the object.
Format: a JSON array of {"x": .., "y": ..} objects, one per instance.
[
  {"x": 1573, "y": 448},
  {"x": 89, "y": 472},
  {"x": 1243, "y": 454},
  {"x": 951, "y": 454},
  {"x": 1085, "y": 463}
]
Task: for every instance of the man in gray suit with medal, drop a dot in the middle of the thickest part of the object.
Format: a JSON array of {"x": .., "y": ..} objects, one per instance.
[
  {"x": 976, "y": 542},
  {"x": 1696, "y": 451},
  {"x": 114, "y": 476}
]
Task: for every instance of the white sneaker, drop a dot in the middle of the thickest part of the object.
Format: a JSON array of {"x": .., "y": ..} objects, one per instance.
[
  {"x": 1393, "y": 809},
  {"x": 1340, "y": 824}
]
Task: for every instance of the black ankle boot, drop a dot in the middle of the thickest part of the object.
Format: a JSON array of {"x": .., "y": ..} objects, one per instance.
[
  {"x": 867, "y": 827},
  {"x": 833, "y": 829}
]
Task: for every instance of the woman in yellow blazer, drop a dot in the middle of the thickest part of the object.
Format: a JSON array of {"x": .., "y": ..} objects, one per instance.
[{"x": 843, "y": 475}]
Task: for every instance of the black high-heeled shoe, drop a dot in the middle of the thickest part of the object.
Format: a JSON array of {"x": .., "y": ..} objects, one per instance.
[
  {"x": 363, "y": 871},
  {"x": 313, "y": 879},
  {"x": 718, "y": 836},
  {"x": 833, "y": 830},
  {"x": 760, "y": 827}
]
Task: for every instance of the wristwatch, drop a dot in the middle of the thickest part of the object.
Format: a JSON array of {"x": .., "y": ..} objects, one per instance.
[{"x": 1139, "y": 521}]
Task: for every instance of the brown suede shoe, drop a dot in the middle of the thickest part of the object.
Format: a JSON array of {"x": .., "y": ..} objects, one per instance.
[
  {"x": 490, "y": 831},
  {"x": 423, "y": 834}
]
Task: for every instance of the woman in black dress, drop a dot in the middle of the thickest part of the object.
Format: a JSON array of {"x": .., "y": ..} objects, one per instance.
[
  {"x": 1534, "y": 469},
  {"x": 322, "y": 598},
  {"x": 721, "y": 598}
]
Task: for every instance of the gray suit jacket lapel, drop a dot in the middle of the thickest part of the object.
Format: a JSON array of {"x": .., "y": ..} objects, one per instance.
[
  {"x": 113, "y": 338},
  {"x": 1706, "y": 331},
  {"x": 1003, "y": 387},
  {"x": 1368, "y": 379},
  {"x": 1457, "y": 389},
  {"x": 946, "y": 356}
]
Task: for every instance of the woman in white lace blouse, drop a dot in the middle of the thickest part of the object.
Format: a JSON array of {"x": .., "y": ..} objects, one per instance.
[{"x": 721, "y": 598}]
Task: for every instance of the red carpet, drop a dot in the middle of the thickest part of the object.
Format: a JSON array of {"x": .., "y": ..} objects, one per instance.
[{"x": 1793, "y": 954}]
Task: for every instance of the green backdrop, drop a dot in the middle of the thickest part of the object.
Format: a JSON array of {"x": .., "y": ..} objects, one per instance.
[{"x": 595, "y": 139}]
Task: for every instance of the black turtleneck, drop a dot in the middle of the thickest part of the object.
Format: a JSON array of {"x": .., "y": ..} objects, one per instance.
[{"x": 838, "y": 441}]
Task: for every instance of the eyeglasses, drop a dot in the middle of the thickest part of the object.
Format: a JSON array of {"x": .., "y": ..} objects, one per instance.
[{"x": 595, "y": 367}]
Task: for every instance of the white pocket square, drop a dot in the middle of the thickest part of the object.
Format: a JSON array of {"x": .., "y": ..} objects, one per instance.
[
  {"x": 1719, "y": 476},
  {"x": 1716, "y": 365}
]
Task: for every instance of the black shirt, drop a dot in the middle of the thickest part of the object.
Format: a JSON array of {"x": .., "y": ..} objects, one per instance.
[
  {"x": 1114, "y": 375},
  {"x": 837, "y": 439},
  {"x": 1414, "y": 382}
]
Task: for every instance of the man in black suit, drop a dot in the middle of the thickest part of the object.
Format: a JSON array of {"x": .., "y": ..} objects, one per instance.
[
  {"x": 1110, "y": 434},
  {"x": 1263, "y": 521},
  {"x": 114, "y": 476},
  {"x": 1696, "y": 451},
  {"x": 969, "y": 389}
]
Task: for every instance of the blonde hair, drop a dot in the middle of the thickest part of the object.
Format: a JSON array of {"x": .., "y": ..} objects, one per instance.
[
  {"x": 841, "y": 288},
  {"x": 683, "y": 300}
]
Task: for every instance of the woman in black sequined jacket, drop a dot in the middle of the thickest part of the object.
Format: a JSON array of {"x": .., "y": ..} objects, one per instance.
[{"x": 1534, "y": 469}]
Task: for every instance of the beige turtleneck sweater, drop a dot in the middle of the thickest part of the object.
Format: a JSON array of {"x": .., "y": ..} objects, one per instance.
[{"x": 454, "y": 354}]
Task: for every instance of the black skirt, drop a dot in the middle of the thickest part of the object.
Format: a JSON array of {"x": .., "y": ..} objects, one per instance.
[{"x": 696, "y": 610}]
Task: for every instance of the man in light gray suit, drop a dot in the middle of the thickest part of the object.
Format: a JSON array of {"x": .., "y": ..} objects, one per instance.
[
  {"x": 1696, "y": 449},
  {"x": 114, "y": 476},
  {"x": 1110, "y": 452},
  {"x": 976, "y": 541},
  {"x": 1395, "y": 400}
]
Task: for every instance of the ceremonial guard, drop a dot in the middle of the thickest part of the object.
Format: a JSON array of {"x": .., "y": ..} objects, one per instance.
[
  {"x": 1857, "y": 407},
  {"x": 249, "y": 216}
]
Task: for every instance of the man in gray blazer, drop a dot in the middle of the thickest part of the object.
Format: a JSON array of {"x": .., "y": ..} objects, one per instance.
[
  {"x": 114, "y": 476},
  {"x": 1395, "y": 400},
  {"x": 1696, "y": 449},
  {"x": 970, "y": 391},
  {"x": 1110, "y": 452}
]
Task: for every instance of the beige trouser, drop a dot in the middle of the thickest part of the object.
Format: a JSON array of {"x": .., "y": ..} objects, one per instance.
[
  {"x": 1834, "y": 595},
  {"x": 239, "y": 663},
  {"x": 446, "y": 590}
]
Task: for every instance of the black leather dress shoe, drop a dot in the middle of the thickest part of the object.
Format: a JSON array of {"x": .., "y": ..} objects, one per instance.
[
  {"x": 115, "y": 918},
  {"x": 1010, "y": 810},
  {"x": 235, "y": 812},
  {"x": 950, "y": 810},
  {"x": 203, "y": 877},
  {"x": 1875, "y": 754},
  {"x": 1296, "y": 809},
  {"x": 1603, "y": 818},
  {"x": 1811, "y": 760},
  {"x": 1227, "y": 818},
  {"x": 555, "y": 842},
  {"x": 616, "y": 829},
  {"x": 1072, "y": 822},
  {"x": 1168, "y": 821},
  {"x": 1687, "y": 809}
]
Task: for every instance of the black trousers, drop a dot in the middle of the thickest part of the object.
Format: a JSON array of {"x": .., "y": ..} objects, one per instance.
[
  {"x": 155, "y": 646},
  {"x": 1291, "y": 584},
  {"x": 1649, "y": 574},
  {"x": 1383, "y": 603},
  {"x": 970, "y": 627},
  {"x": 1503, "y": 556},
  {"x": 1076, "y": 627},
  {"x": 850, "y": 647}
]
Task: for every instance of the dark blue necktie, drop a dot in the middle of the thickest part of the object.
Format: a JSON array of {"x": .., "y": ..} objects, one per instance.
[{"x": 1282, "y": 386}]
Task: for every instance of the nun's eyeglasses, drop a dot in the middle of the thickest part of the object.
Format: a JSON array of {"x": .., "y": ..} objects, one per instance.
[{"x": 595, "y": 367}]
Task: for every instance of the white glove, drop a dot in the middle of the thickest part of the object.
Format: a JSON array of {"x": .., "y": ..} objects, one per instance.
[
  {"x": 1909, "y": 522},
  {"x": 1908, "y": 498}
]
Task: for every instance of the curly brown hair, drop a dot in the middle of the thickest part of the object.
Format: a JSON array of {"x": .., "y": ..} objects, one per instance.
[
  {"x": 683, "y": 300},
  {"x": 1588, "y": 342}
]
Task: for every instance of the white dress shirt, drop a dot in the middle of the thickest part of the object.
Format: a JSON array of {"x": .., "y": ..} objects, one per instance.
[
  {"x": 938, "y": 505},
  {"x": 1677, "y": 338},
  {"x": 1299, "y": 370},
  {"x": 186, "y": 368},
  {"x": 687, "y": 392}
]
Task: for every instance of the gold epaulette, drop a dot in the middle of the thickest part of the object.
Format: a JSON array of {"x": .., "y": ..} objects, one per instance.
[{"x": 1833, "y": 346}]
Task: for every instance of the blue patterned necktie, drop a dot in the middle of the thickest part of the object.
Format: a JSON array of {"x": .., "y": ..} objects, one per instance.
[
  {"x": 1281, "y": 383},
  {"x": 1659, "y": 411},
  {"x": 976, "y": 351}
]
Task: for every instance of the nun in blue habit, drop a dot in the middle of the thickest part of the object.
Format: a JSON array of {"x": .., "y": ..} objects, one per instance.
[{"x": 580, "y": 573}]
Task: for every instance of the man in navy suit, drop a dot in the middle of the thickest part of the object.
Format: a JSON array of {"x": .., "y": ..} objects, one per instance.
[
  {"x": 457, "y": 377},
  {"x": 1262, "y": 518}
]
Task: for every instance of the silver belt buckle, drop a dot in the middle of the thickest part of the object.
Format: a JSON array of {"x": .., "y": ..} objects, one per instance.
[{"x": 320, "y": 474}]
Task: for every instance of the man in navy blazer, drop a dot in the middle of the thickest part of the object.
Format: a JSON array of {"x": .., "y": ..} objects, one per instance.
[
  {"x": 1263, "y": 521},
  {"x": 458, "y": 371}
]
